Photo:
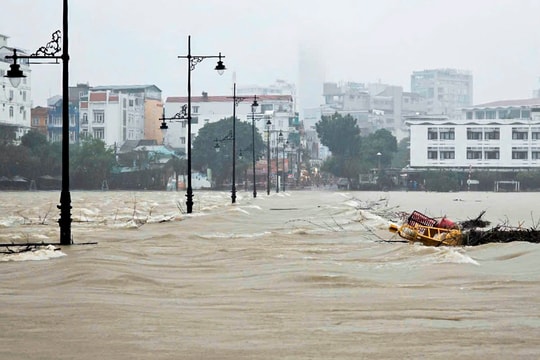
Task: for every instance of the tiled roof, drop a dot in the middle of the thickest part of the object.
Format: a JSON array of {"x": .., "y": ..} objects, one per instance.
[{"x": 98, "y": 96}]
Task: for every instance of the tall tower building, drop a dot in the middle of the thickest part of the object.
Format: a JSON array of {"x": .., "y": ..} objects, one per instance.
[
  {"x": 446, "y": 90},
  {"x": 311, "y": 75}
]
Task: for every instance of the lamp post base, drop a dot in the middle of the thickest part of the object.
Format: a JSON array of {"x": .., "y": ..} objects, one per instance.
[
  {"x": 65, "y": 218},
  {"x": 189, "y": 201}
]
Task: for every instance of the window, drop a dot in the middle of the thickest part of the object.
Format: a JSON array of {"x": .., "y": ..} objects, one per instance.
[
  {"x": 535, "y": 133},
  {"x": 491, "y": 153},
  {"x": 469, "y": 115},
  {"x": 447, "y": 134},
  {"x": 432, "y": 153},
  {"x": 525, "y": 114},
  {"x": 519, "y": 134},
  {"x": 130, "y": 102},
  {"x": 35, "y": 121},
  {"x": 99, "y": 133},
  {"x": 474, "y": 134},
  {"x": 99, "y": 117},
  {"x": 11, "y": 111},
  {"x": 492, "y": 134},
  {"x": 432, "y": 134},
  {"x": 474, "y": 153},
  {"x": 183, "y": 140},
  {"x": 266, "y": 107},
  {"x": 519, "y": 153},
  {"x": 535, "y": 154},
  {"x": 85, "y": 118},
  {"x": 480, "y": 115},
  {"x": 447, "y": 154},
  {"x": 195, "y": 109},
  {"x": 491, "y": 114},
  {"x": 194, "y": 119}
]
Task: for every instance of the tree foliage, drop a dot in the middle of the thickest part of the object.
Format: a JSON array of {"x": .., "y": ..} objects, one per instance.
[
  {"x": 90, "y": 163},
  {"x": 205, "y": 156}
]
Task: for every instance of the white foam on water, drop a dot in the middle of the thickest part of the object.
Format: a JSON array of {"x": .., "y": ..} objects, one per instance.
[{"x": 42, "y": 253}]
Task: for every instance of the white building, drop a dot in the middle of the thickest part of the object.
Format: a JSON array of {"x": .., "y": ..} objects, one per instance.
[
  {"x": 15, "y": 102},
  {"x": 209, "y": 109},
  {"x": 498, "y": 135},
  {"x": 115, "y": 114}
]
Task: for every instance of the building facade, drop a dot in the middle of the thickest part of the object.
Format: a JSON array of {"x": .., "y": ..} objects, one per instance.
[
  {"x": 446, "y": 91},
  {"x": 15, "y": 102},
  {"x": 279, "y": 109},
  {"x": 373, "y": 106},
  {"x": 115, "y": 114},
  {"x": 500, "y": 135}
]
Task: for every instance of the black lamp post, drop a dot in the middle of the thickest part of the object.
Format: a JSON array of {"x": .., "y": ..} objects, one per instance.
[
  {"x": 268, "y": 123},
  {"x": 229, "y": 137},
  {"x": 254, "y": 106},
  {"x": 283, "y": 165},
  {"x": 192, "y": 62},
  {"x": 279, "y": 139},
  {"x": 50, "y": 51}
]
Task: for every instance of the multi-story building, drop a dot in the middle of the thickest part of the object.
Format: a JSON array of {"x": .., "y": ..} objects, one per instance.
[
  {"x": 496, "y": 135},
  {"x": 40, "y": 116},
  {"x": 115, "y": 114},
  {"x": 54, "y": 120},
  {"x": 446, "y": 91},
  {"x": 15, "y": 102},
  {"x": 373, "y": 106},
  {"x": 279, "y": 109}
]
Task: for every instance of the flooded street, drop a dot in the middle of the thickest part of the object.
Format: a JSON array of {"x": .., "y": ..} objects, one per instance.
[{"x": 294, "y": 275}]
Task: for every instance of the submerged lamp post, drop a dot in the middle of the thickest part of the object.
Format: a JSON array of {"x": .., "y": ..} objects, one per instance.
[
  {"x": 283, "y": 164},
  {"x": 230, "y": 137},
  {"x": 236, "y": 101},
  {"x": 279, "y": 140},
  {"x": 254, "y": 106},
  {"x": 268, "y": 123},
  {"x": 193, "y": 60},
  {"x": 15, "y": 74}
]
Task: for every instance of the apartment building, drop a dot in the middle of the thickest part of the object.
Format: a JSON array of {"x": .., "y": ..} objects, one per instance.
[
  {"x": 279, "y": 109},
  {"x": 15, "y": 102},
  {"x": 115, "y": 114},
  {"x": 446, "y": 91}
]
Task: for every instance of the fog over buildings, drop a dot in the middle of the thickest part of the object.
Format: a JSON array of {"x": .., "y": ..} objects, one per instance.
[{"x": 343, "y": 40}]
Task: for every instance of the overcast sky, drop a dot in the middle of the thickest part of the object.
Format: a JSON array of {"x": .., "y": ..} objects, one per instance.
[{"x": 121, "y": 42}]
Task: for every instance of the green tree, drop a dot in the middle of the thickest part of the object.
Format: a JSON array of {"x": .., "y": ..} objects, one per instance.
[
  {"x": 341, "y": 135},
  {"x": 381, "y": 141},
  {"x": 401, "y": 158},
  {"x": 90, "y": 163},
  {"x": 205, "y": 156}
]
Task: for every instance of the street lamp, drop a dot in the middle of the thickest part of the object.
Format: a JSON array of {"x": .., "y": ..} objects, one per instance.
[
  {"x": 268, "y": 123},
  {"x": 236, "y": 101},
  {"x": 229, "y": 137},
  {"x": 254, "y": 106},
  {"x": 279, "y": 140},
  {"x": 50, "y": 51},
  {"x": 283, "y": 164},
  {"x": 193, "y": 60}
]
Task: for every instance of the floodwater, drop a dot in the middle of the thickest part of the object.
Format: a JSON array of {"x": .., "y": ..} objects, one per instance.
[{"x": 293, "y": 275}]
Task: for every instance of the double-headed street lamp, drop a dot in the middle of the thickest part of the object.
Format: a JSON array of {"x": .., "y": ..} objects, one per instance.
[
  {"x": 50, "y": 51},
  {"x": 285, "y": 144},
  {"x": 279, "y": 140},
  {"x": 193, "y": 60}
]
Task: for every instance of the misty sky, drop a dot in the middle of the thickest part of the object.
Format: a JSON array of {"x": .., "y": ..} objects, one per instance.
[{"x": 120, "y": 42}]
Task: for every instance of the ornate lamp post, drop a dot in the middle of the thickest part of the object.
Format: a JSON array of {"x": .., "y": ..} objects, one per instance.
[
  {"x": 279, "y": 140},
  {"x": 50, "y": 51},
  {"x": 268, "y": 124},
  {"x": 193, "y": 60},
  {"x": 254, "y": 106},
  {"x": 283, "y": 164}
]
